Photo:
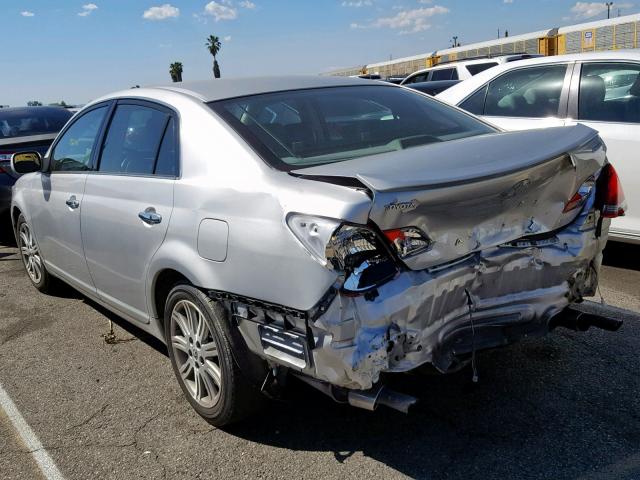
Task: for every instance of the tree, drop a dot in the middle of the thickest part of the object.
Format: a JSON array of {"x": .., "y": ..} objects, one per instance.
[
  {"x": 34, "y": 103},
  {"x": 175, "y": 70},
  {"x": 214, "y": 45}
]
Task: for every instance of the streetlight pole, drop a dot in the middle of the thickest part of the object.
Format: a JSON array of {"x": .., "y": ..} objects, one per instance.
[{"x": 608, "y": 4}]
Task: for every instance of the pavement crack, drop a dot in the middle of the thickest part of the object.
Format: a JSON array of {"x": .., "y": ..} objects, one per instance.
[{"x": 90, "y": 417}]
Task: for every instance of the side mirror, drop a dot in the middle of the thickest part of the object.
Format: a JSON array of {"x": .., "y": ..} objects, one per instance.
[{"x": 26, "y": 162}]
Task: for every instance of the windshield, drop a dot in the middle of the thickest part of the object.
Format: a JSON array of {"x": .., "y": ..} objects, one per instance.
[
  {"x": 302, "y": 128},
  {"x": 24, "y": 122}
]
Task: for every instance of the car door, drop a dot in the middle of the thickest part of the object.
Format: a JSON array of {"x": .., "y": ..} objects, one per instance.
[
  {"x": 524, "y": 98},
  {"x": 128, "y": 203},
  {"x": 57, "y": 200},
  {"x": 605, "y": 96}
]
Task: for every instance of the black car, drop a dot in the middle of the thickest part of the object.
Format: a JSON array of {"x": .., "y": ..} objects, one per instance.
[
  {"x": 25, "y": 129},
  {"x": 434, "y": 87}
]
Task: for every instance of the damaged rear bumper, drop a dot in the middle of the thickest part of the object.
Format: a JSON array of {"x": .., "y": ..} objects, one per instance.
[{"x": 486, "y": 299}]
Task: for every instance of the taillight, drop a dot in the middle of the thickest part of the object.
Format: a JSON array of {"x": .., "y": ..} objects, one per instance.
[
  {"x": 408, "y": 241},
  {"x": 5, "y": 159},
  {"x": 609, "y": 195},
  {"x": 356, "y": 251}
]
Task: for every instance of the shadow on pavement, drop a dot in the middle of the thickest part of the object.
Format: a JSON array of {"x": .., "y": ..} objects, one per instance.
[
  {"x": 622, "y": 255},
  {"x": 539, "y": 411}
]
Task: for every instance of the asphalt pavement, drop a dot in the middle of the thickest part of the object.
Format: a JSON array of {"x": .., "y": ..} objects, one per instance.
[{"x": 566, "y": 406}]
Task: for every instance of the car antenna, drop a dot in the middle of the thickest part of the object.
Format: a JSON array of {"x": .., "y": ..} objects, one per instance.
[{"x": 474, "y": 378}]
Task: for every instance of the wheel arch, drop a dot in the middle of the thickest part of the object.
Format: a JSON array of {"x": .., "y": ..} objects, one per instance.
[{"x": 163, "y": 281}]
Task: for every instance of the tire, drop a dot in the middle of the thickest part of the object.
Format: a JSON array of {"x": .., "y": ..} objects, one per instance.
[
  {"x": 31, "y": 257},
  {"x": 198, "y": 342}
]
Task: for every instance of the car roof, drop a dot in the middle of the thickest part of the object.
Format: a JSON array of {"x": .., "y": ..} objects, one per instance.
[
  {"x": 463, "y": 62},
  {"x": 225, "y": 88},
  {"x": 459, "y": 92},
  {"x": 432, "y": 83}
]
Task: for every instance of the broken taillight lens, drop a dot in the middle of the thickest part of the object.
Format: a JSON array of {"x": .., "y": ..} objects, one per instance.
[
  {"x": 354, "y": 250},
  {"x": 358, "y": 251},
  {"x": 609, "y": 195},
  {"x": 407, "y": 241}
]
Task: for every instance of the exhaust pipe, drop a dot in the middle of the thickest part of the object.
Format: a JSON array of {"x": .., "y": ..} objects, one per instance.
[
  {"x": 365, "y": 399},
  {"x": 582, "y": 321},
  {"x": 370, "y": 399}
]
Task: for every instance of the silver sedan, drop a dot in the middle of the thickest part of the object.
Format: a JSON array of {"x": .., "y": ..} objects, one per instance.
[{"x": 329, "y": 229}]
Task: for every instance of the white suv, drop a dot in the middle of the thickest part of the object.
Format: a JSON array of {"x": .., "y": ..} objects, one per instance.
[
  {"x": 598, "y": 89},
  {"x": 461, "y": 70}
]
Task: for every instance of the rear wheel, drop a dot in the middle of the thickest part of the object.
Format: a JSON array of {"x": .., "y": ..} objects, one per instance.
[
  {"x": 31, "y": 258},
  {"x": 201, "y": 355}
]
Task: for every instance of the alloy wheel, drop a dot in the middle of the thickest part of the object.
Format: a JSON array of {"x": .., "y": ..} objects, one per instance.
[
  {"x": 196, "y": 353},
  {"x": 30, "y": 253}
]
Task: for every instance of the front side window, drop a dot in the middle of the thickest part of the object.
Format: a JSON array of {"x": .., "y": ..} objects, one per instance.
[
  {"x": 341, "y": 123},
  {"x": 610, "y": 92},
  {"x": 475, "y": 103},
  {"x": 133, "y": 140},
  {"x": 528, "y": 92},
  {"x": 420, "y": 77},
  {"x": 73, "y": 150}
]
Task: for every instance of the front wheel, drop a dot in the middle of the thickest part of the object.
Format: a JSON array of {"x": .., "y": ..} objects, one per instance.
[
  {"x": 202, "y": 358},
  {"x": 31, "y": 257}
]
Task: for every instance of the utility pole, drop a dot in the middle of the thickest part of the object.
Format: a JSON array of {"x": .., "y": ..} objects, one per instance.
[{"x": 608, "y": 4}]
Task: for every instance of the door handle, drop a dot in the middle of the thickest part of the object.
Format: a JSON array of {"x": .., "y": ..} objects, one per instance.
[
  {"x": 150, "y": 216},
  {"x": 72, "y": 202}
]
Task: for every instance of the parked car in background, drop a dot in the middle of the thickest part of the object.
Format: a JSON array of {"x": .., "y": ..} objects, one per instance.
[
  {"x": 367, "y": 76},
  {"x": 25, "y": 129},
  {"x": 394, "y": 80},
  {"x": 433, "y": 88},
  {"x": 329, "y": 228},
  {"x": 461, "y": 69},
  {"x": 601, "y": 90}
]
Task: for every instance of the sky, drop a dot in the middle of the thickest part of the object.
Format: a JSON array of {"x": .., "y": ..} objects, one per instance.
[{"x": 69, "y": 50}]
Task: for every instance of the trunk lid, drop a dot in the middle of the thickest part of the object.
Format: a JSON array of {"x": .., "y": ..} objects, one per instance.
[{"x": 475, "y": 193}]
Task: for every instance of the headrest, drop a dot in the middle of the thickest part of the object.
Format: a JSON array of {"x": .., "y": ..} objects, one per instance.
[{"x": 635, "y": 88}]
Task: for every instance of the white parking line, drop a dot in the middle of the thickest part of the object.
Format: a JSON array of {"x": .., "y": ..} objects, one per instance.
[{"x": 40, "y": 455}]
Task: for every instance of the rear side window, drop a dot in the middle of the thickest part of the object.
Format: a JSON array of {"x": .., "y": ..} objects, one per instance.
[
  {"x": 342, "y": 123},
  {"x": 133, "y": 140},
  {"x": 167, "y": 164},
  {"x": 73, "y": 151},
  {"x": 610, "y": 92},
  {"x": 25, "y": 122},
  {"x": 528, "y": 92},
  {"x": 476, "y": 68},
  {"x": 444, "y": 74}
]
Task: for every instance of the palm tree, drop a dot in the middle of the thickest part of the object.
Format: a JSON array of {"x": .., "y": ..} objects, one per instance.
[
  {"x": 214, "y": 45},
  {"x": 175, "y": 70}
]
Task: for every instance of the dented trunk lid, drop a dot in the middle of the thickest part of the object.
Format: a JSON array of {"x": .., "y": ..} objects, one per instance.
[{"x": 475, "y": 193}]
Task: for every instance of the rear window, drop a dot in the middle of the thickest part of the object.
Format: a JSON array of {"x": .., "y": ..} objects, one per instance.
[
  {"x": 303, "y": 128},
  {"x": 32, "y": 121},
  {"x": 444, "y": 74},
  {"x": 476, "y": 68}
]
